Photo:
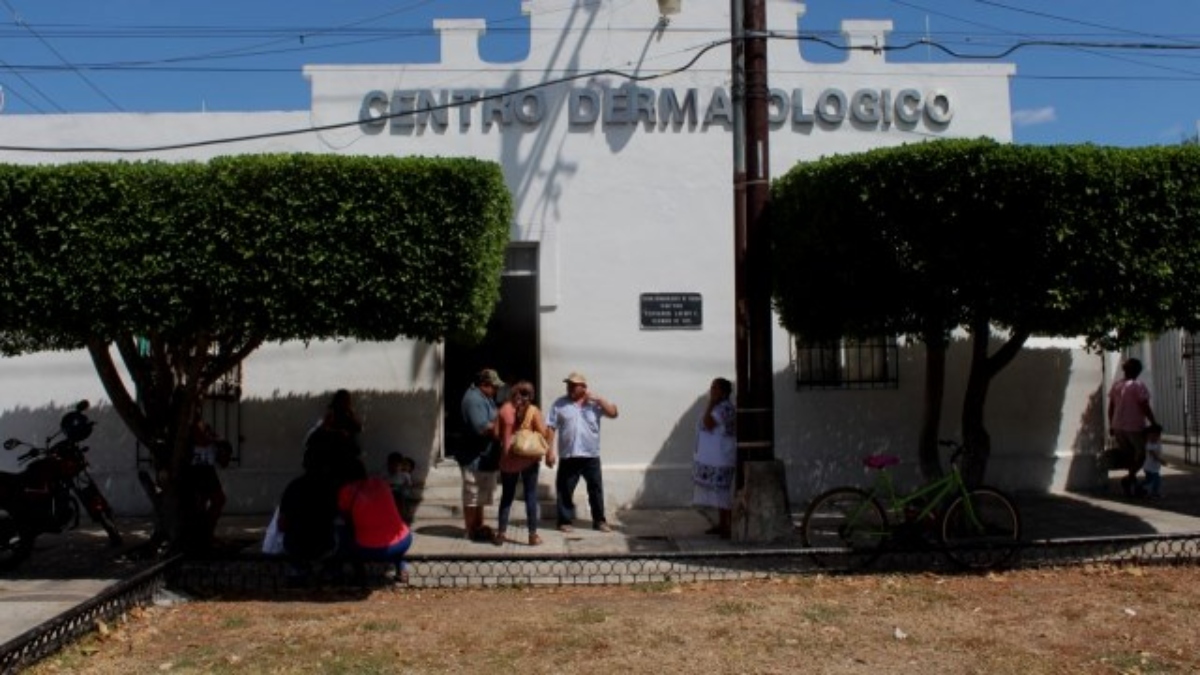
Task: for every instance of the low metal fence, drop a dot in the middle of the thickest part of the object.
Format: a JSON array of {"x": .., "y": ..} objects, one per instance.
[
  {"x": 270, "y": 577},
  {"x": 114, "y": 601},
  {"x": 265, "y": 576}
]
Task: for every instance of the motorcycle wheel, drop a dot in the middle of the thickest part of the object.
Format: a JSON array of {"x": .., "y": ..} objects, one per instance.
[
  {"x": 14, "y": 548},
  {"x": 114, "y": 535},
  {"x": 98, "y": 509}
]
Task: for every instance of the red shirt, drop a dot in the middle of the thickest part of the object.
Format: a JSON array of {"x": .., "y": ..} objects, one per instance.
[
  {"x": 372, "y": 511},
  {"x": 1129, "y": 401}
]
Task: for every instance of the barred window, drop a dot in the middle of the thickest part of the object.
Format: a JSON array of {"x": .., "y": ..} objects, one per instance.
[{"x": 871, "y": 363}]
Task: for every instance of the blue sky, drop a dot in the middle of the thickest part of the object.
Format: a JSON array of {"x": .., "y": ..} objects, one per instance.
[{"x": 1073, "y": 83}]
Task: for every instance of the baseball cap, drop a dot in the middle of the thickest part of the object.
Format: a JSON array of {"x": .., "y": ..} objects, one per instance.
[
  {"x": 576, "y": 378},
  {"x": 490, "y": 376}
]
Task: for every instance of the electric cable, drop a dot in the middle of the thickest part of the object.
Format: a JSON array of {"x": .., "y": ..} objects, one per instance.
[
  {"x": 46, "y": 43},
  {"x": 630, "y": 77}
]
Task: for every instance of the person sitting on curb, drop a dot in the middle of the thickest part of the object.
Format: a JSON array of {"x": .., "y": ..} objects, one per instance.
[
  {"x": 377, "y": 531},
  {"x": 306, "y": 518}
]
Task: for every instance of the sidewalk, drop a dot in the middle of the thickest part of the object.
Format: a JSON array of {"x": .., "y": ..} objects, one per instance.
[{"x": 70, "y": 568}]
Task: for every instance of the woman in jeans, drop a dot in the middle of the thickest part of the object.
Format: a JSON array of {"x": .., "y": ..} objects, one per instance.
[{"x": 513, "y": 468}]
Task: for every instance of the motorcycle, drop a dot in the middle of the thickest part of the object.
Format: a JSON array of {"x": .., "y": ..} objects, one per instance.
[{"x": 46, "y": 495}]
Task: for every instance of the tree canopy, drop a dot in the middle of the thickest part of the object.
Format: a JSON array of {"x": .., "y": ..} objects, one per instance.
[
  {"x": 186, "y": 268},
  {"x": 278, "y": 246},
  {"x": 923, "y": 239}
]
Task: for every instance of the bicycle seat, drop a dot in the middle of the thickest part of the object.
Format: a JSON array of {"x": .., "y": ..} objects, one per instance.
[{"x": 880, "y": 461}]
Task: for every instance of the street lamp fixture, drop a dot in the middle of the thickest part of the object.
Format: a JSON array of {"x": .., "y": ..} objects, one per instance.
[{"x": 668, "y": 7}]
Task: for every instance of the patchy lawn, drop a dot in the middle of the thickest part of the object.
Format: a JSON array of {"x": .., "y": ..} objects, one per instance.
[{"x": 1080, "y": 619}]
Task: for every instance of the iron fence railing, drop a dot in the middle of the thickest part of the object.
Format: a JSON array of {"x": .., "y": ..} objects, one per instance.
[
  {"x": 268, "y": 577},
  {"x": 51, "y": 636},
  {"x": 262, "y": 575}
]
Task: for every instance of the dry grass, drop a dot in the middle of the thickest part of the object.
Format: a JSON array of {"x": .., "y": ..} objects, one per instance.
[{"x": 1093, "y": 620}]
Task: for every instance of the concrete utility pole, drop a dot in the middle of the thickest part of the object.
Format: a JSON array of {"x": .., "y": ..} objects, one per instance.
[{"x": 762, "y": 512}]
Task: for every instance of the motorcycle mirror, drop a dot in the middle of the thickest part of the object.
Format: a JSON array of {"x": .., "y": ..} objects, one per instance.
[
  {"x": 82, "y": 405},
  {"x": 11, "y": 443}
]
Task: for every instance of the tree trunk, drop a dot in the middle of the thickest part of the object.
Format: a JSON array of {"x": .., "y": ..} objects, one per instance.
[
  {"x": 170, "y": 382},
  {"x": 931, "y": 415},
  {"x": 976, "y": 440}
]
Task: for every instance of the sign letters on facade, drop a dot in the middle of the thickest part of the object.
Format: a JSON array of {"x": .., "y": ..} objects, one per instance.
[{"x": 405, "y": 110}]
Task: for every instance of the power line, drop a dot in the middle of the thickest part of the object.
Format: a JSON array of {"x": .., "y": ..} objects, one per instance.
[
  {"x": 1081, "y": 46},
  {"x": 1070, "y": 20},
  {"x": 631, "y": 77},
  {"x": 32, "y": 86},
  {"x": 167, "y": 64},
  {"x": 342, "y": 125},
  {"x": 20, "y": 22}
]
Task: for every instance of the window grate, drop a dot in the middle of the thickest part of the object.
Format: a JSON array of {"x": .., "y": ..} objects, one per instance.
[{"x": 871, "y": 363}]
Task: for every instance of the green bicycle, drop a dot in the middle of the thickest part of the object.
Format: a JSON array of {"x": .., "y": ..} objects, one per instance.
[{"x": 977, "y": 528}]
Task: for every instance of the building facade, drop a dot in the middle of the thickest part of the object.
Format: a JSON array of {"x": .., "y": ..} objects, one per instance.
[{"x": 615, "y": 136}]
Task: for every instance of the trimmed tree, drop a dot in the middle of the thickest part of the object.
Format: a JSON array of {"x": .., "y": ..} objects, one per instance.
[
  {"x": 182, "y": 270},
  {"x": 923, "y": 239}
]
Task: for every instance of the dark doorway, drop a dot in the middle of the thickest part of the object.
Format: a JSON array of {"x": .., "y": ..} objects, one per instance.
[{"x": 511, "y": 344}]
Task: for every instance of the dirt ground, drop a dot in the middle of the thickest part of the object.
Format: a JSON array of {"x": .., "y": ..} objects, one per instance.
[{"x": 1079, "y": 619}]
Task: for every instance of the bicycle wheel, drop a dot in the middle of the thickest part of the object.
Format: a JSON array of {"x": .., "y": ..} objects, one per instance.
[
  {"x": 981, "y": 530},
  {"x": 847, "y": 519}
]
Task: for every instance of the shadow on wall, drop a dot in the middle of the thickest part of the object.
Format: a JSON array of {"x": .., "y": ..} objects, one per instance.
[
  {"x": 111, "y": 454},
  {"x": 1083, "y": 473},
  {"x": 273, "y": 432},
  {"x": 275, "y": 429},
  {"x": 37, "y": 425},
  {"x": 668, "y": 476},
  {"x": 822, "y": 434}
]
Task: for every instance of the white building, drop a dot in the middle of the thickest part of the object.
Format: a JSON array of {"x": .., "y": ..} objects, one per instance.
[{"x": 623, "y": 198}]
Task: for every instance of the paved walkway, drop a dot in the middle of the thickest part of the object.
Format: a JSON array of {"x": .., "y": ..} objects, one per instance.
[{"x": 70, "y": 568}]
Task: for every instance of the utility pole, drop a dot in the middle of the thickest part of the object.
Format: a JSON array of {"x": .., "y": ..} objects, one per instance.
[
  {"x": 751, "y": 185},
  {"x": 761, "y": 511}
]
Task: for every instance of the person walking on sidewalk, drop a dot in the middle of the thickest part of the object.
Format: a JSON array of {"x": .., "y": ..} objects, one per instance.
[
  {"x": 574, "y": 421},
  {"x": 1128, "y": 415}
]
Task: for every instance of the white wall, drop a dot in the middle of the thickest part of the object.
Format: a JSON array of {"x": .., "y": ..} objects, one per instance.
[{"x": 619, "y": 210}]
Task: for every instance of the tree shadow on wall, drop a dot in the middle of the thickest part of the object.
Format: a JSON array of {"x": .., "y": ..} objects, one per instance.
[{"x": 273, "y": 447}]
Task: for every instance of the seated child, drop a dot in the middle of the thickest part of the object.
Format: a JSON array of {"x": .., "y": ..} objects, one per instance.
[
  {"x": 404, "y": 486},
  {"x": 1154, "y": 462}
]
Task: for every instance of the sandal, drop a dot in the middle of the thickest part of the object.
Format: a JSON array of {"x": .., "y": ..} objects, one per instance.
[{"x": 534, "y": 539}]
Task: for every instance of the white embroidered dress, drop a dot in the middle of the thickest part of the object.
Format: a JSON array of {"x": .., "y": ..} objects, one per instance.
[{"x": 715, "y": 460}]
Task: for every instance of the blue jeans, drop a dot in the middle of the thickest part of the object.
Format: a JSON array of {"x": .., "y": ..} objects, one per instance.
[
  {"x": 508, "y": 492},
  {"x": 393, "y": 554},
  {"x": 1153, "y": 483},
  {"x": 569, "y": 472}
]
